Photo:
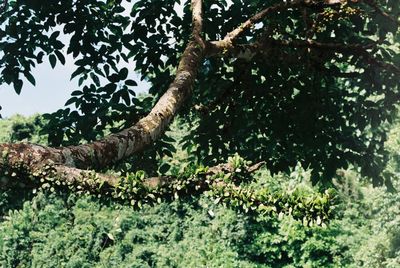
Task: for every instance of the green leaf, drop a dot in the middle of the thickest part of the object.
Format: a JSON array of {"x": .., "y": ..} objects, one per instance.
[
  {"x": 77, "y": 72},
  {"x": 95, "y": 79},
  {"x": 30, "y": 78},
  {"x": 55, "y": 35},
  {"x": 123, "y": 74},
  {"x": 71, "y": 100},
  {"x": 130, "y": 83},
  {"x": 53, "y": 60},
  {"x": 39, "y": 57},
  {"x": 164, "y": 168},
  {"x": 60, "y": 57},
  {"x": 18, "y": 86}
]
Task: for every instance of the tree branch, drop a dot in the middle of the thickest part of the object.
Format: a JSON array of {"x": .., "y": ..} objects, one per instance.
[
  {"x": 234, "y": 34},
  {"x": 94, "y": 182},
  {"x": 197, "y": 21},
  {"x": 377, "y": 9},
  {"x": 248, "y": 51},
  {"x": 222, "y": 183},
  {"x": 115, "y": 147}
]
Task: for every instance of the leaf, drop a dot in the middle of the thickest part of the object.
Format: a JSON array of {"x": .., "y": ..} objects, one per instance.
[
  {"x": 131, "y": 83},
  {"x": 211, "y": 213},
  {"x": 95, "y": 79},
  {"x": 71, "y": 100},
  {"x": 114, "y": 78},
  {"x": 125, "y": 96},
  {"x": 164, "y": 168},
  {"x": 30, "y": 78},
  {"x": 53, "y": 60},
  {"x": 55, "y": 35},
  {"x": 81, "y": 80},
  {"x": 110, "y": 236},
  {"x": 18, "y": 86},
  {"x": 76, "y": 93},
  {"x": 39, "y": 57},
  {"x": 77, "y": 72},
  {"x": 60, "y": 57},
  {"x": 123, "y": 74}
]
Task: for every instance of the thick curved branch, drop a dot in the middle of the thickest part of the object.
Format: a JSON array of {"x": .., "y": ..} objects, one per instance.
[
  {"x": 234, "y": 34},
  {"x": 115, "y": 147},
  {"x": 248, "y": 51}
]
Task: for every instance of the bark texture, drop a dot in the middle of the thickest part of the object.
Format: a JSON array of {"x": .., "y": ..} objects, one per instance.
[{"x": 127, "y": 142}]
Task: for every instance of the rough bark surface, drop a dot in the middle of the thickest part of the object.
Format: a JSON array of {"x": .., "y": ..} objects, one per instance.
[{"x": 127, "y": 142}]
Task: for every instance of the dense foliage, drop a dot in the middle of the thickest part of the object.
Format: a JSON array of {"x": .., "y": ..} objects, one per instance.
[
  {"x": 321, "y": 106},
  {"x": 18, "y": 128},
  {"x": 59, "y": 229}
]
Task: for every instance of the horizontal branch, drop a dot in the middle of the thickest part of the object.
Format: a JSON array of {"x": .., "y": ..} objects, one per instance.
[
  {"x": 94, "y": 182},
  {"x": 224, "y": 183},
  {"x": 353, "y": 49},
  {"x": 249, "y": 51}
]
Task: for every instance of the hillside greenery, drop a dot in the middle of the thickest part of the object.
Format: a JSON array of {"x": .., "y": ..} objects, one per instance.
[{"x": 52, "y": 228}]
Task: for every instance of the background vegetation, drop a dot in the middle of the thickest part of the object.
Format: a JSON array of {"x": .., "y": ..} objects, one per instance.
[{"x": 58, "y": 229}]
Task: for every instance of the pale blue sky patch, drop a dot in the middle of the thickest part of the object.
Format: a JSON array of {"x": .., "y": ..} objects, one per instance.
[
  {"x": 53, "y": 86},
  {"x": 52, "y": 90}
]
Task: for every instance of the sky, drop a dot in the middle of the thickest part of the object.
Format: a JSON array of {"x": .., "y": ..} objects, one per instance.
[
  {"x": 53, "y": 86},
  {"x": 52, "y": 90}
]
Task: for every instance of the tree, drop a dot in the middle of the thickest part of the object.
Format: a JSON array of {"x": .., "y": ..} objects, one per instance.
[{"x": 305, "y": 80}]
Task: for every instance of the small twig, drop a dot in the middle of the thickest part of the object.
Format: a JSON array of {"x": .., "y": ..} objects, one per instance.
[
  {"x": 256, "y": 167},
  {"x": 374, "y": 5}
]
